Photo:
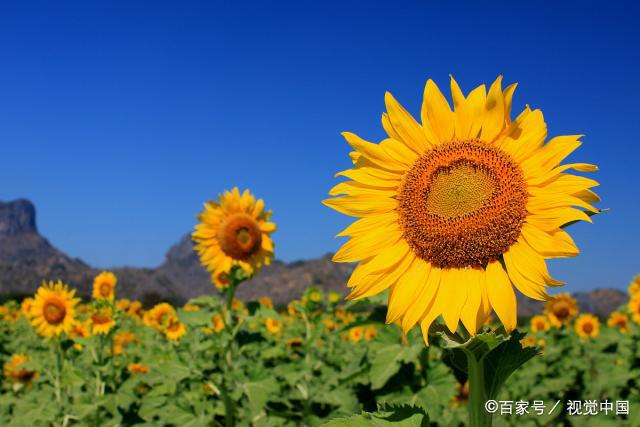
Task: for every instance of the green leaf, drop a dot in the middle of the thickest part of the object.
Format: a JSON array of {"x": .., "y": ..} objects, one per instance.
[
  {"x": 387, "y": 362},
  {"x": 386, "y": 416},
  {"x": 259, "y": 392}
]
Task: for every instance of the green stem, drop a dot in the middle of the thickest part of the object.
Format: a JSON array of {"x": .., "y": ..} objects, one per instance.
[
  {"x": 478, "y": 415},
  {"x": 58, "y": 375},
  {"x": 229, "y": 406}
]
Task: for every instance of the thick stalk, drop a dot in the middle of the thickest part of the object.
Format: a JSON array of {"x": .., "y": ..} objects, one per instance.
[{"x": 478, "y": 416}]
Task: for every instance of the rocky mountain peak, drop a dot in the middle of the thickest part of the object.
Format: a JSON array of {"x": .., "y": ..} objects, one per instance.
[{"x": 17, "y": 217}]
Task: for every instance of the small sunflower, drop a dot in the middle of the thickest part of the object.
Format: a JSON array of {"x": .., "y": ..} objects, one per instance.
[
  {"x": 456, "y": 211},
  {"x": 462, "y": 395},
  {"x": 265, "y": 301},
  {"x": 634, "y": 286},
  {"x": 218, "y": 322},
  {"x": 15, "y": 372},
  {"x": 135, "y": 310},
  {"x": 137, "y": 368},
  {"x": 561, "y": 309},
  {"x": 634, "y": 307},
  {"x": 370, "y": 333},
  {"x": 26, "y": 306},
  {"x": 191, "y": 307},
  {"x": 53, "y": 310},
  {"x": 315, "y": 296},
  {"x": 101, "y": 320},
  {"x": 587, "y": 326},
  {"x": 334, "y": 297},
  {"x": 540, "y": 323},
  {"x": 295, "y": 342},
  {"x": 156, "y": 317},
  {"x": 329, "y": 324},
  {"x": 234, "y": 231},
  {"x": 274, "y": 326},
  {"x": 619, "y": 320},
  {"x": 122, "y": 340},
  {"x": 356, "y": 333},
  {"x": 104, "y": 286},
  {"x": 79, "y": 330},
  {"x": 123, "y": 304},
  {"x": 174, "y": 329}
]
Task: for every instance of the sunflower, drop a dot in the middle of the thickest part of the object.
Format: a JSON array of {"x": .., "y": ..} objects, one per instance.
[
  {"x": 634, "y": 307},
  {"x": 137, "y": 368},
  {"x": 123, "y": 304},
  {"x": 218, "y": 322},
  {"x": 295, "y": 342},
  {"x": 191, "y": 307},
  {"x": 634, "y": 286},
  {"x": 102, "y": 320},
  {"x": 122, "y": 340},
  {"x": 587, "y": 326},
  {"x": 15, "y": 372},
  {"x": 370, "y": 333},
  {"x": 619, "y": 320},
  {"x": 462, "y": 395},
  {"x": 53, "y": 309},
  {"x": 561, "y": 309},
  {"x": 158, "y": 315},
  {"x": 329, "y": 324},
  {"x": 26, "y": 306},
  {"x": 104, "y": 286},
  {"x": 334, "y": 297},
  {"x": 274, "y": 326},
  {"x": 315, "y": 296},
  {"x": 174, "y": 329},
  {"x": 540, "y": 323},
  {"x": 456, "y": 210},
  {"x": 135, "y": 310},
  {"x": 355, "y": 334},
  {"x": 265, "y": 301},
  {"x": 234, "y": 231}
]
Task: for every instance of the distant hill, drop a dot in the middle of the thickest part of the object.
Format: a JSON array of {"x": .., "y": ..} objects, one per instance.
[{"x": 26, "y": 258}]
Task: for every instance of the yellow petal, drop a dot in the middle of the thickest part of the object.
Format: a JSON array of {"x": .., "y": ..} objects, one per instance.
[
  {"x": 454, "y": 294},
  {"x": 501, "y": 295},
  {"x": 494, "y": 120},
  {"x": 404, "y": 293},
  {"x": 370, "y": 223},
  {"x": 425, "y": 298},
  {"x": 381, "y": 282},
  {"x": 437, "y": 113},
  {"x": 405, "y": 125},
  {"x": 367, "y": 245},
  {"x": 362, "y": 204},
  {"x": 373, "y": 152},
  {"x": 469, "y": 314},
  {"x": 557, "y": 244}
]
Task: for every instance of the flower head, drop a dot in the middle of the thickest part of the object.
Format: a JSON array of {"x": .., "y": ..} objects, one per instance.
[
  {"x": 619, "y": 320},
  {"x": 218, "y": 322},
  {"x": 101, "y": 320},
  {"x": 104, "y": 286},
  {"x": 456, "y": 211},
  {"x": 174, "y": 329},
  {"x": 137, "y": 368},
  {"x": 561, "y": 309},
  {"x": 157, "y": 316},
  {"x": 53, "y": 310},
  {"x": 235, "y": 230},
  {"x": 274, "y": 326},
  {"x": 540, "y": 323},
  {"x": 587, "y": 326},
  {"x": 15, "y": 371}
]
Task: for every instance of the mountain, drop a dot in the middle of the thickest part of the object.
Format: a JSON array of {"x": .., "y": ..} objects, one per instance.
[{"x": 26, "y": 258}]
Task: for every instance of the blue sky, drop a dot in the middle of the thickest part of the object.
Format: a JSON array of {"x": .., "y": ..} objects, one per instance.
[{"x": 119, "y": 119}]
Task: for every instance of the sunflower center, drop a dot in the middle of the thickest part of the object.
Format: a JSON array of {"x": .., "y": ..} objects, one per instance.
[
  {"x": 54, "y": 311},
  {"x": 100, "y": 318},
  {"x": 562, "y": 313},
  {"x": 587, "y": 328},
  {"x": 462, "y": 204},
  {"x": 240, "y": 236},
  {"x": 105, "y": 289}
]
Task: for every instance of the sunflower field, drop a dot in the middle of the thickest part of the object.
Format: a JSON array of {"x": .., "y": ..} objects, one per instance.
[
  {"x": 453, "y": 215},
  {"x": 318, "y": 360}
]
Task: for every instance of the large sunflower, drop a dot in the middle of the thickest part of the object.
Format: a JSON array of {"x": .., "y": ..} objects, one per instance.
[
  {"x": 456, "y": 210},
  {"x": 53, "y": 309},
  {"x": 234, "y": 231}
]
